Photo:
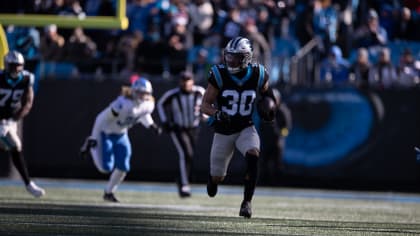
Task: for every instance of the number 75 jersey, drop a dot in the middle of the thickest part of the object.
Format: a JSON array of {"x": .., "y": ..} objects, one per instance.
[
  {"x": 237, "y": 94},
  {"x": 12, "y": 92}
]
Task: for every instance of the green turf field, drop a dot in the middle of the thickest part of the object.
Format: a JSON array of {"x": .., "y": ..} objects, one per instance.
[{"x": 76, "y": 208}]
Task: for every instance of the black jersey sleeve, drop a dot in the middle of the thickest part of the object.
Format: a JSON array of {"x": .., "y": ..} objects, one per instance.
[
  {"x": 263, "y": 78},
  {"x": 214, "y": 77}
]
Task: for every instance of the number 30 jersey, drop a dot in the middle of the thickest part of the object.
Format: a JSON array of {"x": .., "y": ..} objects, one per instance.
[
  {"x": 12, "y": 91},
  {"x": 237, "y": 94}
]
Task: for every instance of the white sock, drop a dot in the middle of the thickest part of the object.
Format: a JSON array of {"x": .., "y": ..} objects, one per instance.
[{"x": 115, "y": 179}]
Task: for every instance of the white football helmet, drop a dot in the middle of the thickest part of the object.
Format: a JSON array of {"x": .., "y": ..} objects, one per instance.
[
  {"x": 13, "y": 63},
  {"x": 141, "y": 88},
  {"x": 238, "y": 54}
]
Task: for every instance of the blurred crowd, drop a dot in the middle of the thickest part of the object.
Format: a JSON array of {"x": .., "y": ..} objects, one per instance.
[{"x": 165, "y": 37}]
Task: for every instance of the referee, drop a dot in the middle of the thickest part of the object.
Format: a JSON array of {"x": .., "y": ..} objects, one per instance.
[{"x": 179, "y": 112}]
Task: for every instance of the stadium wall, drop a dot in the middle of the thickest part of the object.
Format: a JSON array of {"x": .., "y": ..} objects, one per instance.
[{"x": 341, "y": 137}]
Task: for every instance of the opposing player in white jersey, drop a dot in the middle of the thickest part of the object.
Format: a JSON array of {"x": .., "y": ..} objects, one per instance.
[{"x": 109, "y": 144}]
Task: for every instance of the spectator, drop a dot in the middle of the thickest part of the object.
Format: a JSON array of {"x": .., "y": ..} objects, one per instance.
[
  {"x": 383, "y": 74},
  {"x": 126, "y": 51},
  {"x": 202, "y": 14},
  {"x": 138, "y": 13},
  {"x": 304, "y": 24},
  {"x": 232, "y": 27},
  {"x": 407, "y": 26},
  {"x": 26, "y": 40},
  {"x": 150, "y": 52},
  {"x": 201, "y": 65},
  {"x": 80, "y": 45},
  {"x": 359, "y": 72},
  {"x": 262, "y": 50},
  {"x": 371, "y": 34},
  {"x": 263, "y": 22},
  {"x": 334, "y": 69},
  {"x": 246, "y": 11},
  {"x": 178, "y": 46},
  {"x": 52, "y": 44},
  {"x": 325, "y": 22},
  {"x": 408, "y": 74}
]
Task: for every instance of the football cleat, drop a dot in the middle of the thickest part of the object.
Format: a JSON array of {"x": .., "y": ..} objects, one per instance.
[
  {"x": 87, "y": 145},
  {"x": 211, "y": 188},
  {"x": 245, "y": 210},
  {"x": 110, "y": 197},
  {"x": 184, "y": 191},
  {"x": 35, "y": 190}
]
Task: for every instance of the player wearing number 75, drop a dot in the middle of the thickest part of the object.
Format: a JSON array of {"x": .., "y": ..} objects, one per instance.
[
  {"x": 16, "y": 98},
  {"x": 233, "y": 88}
]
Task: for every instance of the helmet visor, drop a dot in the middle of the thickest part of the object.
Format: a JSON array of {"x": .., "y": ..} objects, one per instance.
[
  {"x": 234, "y": 60},
  {"x": 14, "y": 69},
  {"x": 141, "y": 95}
]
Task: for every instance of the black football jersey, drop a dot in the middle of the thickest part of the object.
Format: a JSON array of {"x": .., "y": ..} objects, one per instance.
[
  {"x": 12, "y": 92},
  {"x": 237, "y": 94}
]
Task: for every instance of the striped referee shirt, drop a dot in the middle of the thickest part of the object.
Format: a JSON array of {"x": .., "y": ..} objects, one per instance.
[{"x": 181, "y": 108}]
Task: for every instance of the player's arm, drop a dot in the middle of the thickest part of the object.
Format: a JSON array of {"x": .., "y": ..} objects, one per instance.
[
  {"x": 265, "y": 88},
  {"x": 148, "y": 122},
  {"x": 209, "y": 99},
  {"x": 27, "y": 101},
  {"x": 267, "y": 102},
  {"x": 208, "y": 108},
  {"x": 104, "y": 118}
]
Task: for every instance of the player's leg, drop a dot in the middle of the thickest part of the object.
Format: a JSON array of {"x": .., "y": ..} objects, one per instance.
[
  {"x": 122, "y": 152},
  {"x": 103, "y": 154},
  {"x": 184, "y": 148},
  {"x": 248, "y": 144},
  {"x": 221, "y": 153},
  {"x": 86, "y": 147},
  {"x": 12, "y": 143}
]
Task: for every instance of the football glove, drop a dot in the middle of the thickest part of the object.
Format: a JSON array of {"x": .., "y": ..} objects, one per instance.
[
  {"x": 222, "y": 117},
  {"x": 156, "y": 129}
]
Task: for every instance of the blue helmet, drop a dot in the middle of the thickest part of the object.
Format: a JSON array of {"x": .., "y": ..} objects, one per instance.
[{"x": 140, "y": 87}]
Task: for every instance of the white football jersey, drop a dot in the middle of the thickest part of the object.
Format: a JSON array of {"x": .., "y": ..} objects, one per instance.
[{"x": 122, "y": 114}]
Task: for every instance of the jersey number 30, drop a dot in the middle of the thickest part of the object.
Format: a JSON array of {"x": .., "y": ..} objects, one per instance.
[
  {"x": 5, "y": 94},
  {"x": 238, "y": 102}
]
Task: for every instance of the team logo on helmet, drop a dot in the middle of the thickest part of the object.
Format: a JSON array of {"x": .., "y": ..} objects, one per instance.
[
  {"x": 13, "y": 62},
  {"x": 238, "y": 54}
]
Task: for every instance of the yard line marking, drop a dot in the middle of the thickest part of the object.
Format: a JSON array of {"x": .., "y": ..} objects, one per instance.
[{"x": 228, "y": 189}]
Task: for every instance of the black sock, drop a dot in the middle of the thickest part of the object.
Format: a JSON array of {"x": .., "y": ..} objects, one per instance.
[
  {"x": 250, "y": 176},
  {"x": 20, "y": 165}
]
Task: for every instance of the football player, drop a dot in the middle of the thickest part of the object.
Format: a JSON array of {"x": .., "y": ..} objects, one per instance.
[
  {"x": 109, "y": 144},
  {"x": 229, "y": 100},
  {"x": 16, "y": 98}
]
